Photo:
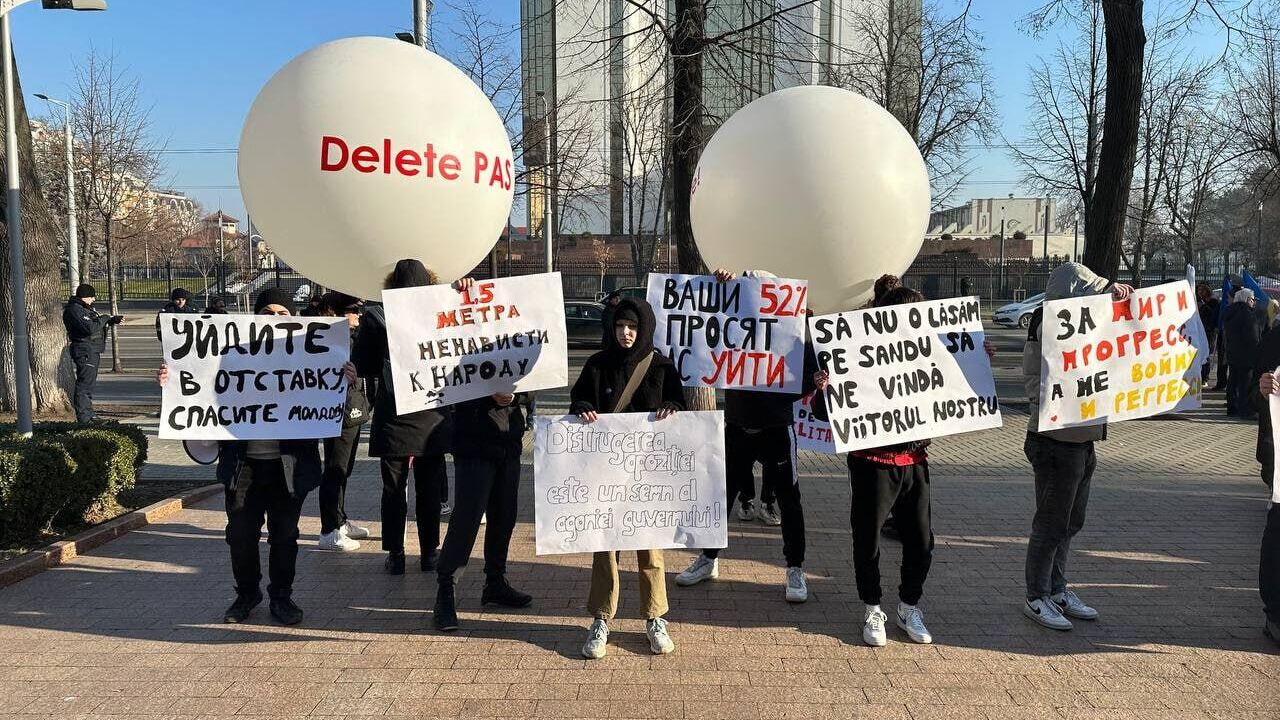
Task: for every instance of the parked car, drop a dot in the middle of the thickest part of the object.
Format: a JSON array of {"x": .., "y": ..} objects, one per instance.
[
  {"x": 582, "y": 322},
  {"x": 1018, "y": 313},
  {"x": 639, "y": 293}
]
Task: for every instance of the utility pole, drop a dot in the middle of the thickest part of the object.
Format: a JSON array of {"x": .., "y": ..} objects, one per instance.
[
  {"x": 1046, "y": 231},
  {"x": 222, "y": 261},
  {"x": 1075, "y": 241},
  {"x": 1001, "y": 249},
  {"x": 548, "y": 206},
  {"x": 1259, "y": 233},
  {"x": 421, "y": 22}
]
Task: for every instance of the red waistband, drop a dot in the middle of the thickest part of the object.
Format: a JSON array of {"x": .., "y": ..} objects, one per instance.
[{"x": 896, "y": 458}]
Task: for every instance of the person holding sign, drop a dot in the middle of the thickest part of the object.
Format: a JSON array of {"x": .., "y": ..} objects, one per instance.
[
  {"x": 627, "y": 376},
  {"x": 489, "y": 436},
  {"x": 337, "y": 532},
  {"x": 1063, "y": 461},
  {"x": 266, "y": 481},
  {"x": 758, "y": 428},
  {"x": 422, "y": 437},
  {"x": 1269, "y": 556}
]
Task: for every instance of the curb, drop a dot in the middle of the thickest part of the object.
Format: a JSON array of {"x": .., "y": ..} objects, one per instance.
[{"x": 37, "y": 561}]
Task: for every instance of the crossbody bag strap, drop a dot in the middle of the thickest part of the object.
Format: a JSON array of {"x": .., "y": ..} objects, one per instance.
[{"x": 633, "y": 383}]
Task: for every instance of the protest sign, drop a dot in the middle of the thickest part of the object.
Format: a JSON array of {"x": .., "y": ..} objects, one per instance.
[
  {"x": 811, "y": 433},
  {"x": 504, "y": 335},
  {"x": 253, "y": 377},
  {"x": 745, "y": 334},
  {"x": 1104, "y": 361},
  {"x": 906, "y": 372},
  {"x": 629, "y": 482},
  {"x": 1273, "y": 405}
]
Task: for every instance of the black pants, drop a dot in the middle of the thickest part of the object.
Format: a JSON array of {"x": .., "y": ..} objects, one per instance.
[
  {"x": 260, "y": 494},
  {"x": 1222, "y": 363},
  {"x": 1240, "y": 390},
  {"x": 775, "y": 449},
  {"x": 482, "y": 484},
  {"x": 428, "y": 474},
  {"x": 86, "y": 362},
  {"x": 1269, "y": 565},
  {"x": 339, "y": 461},
  {"x": 1064, "y": 475},
  {"x": 876, "y": 490}
]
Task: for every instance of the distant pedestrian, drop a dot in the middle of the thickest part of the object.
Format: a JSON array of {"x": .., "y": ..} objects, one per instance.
[
  {"x": 1207, "y": 306},
  {"x": 217, "y": 306},
  {"x": 313, "y": 307},
  {"x": 179, "y": 302},
  {"x": 87, "y": 333},
  {"x": 1242, "y": 332}
]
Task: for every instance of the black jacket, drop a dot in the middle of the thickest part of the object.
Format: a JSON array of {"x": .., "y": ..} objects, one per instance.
[
  {"x": 1209, "y": 317},
  {"x": 756, "y": 410},
  {"x": 301, "y": 458},
  {"x": 86, "y": 327},
  {"x": 1241, "y": 333},
  {"x": 605, "y": 374},
  {"x": 1268, "y": 359},
  {"x": 426, "y": 432},
  {"x": 171, "y": 307},
  {"x": 483, "y": 427}
]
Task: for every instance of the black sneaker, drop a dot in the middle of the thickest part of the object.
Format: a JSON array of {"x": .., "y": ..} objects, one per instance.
[
  {"x": 284, "y": 610},
  {"x": 428, "y": 562},
  {"x": 394, "y": 564},
  {"x": 239, "y": 610},
  {"x": 445, "y": 615},
  {"x": 497, "y": 591},
  {"x": 1272, "y": 630}
]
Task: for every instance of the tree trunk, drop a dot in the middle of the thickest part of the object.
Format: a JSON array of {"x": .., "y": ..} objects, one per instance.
[
  {"x": 1104, "y": 223},
  {"x": 116, "y": 365},
  {"x": 687, "y": 45},
  {"x": 51, "y": 374}
]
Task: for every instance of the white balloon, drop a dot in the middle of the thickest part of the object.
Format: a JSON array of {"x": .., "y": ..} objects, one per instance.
[
  {"x": 364, "y": 151},
  {"x": 817, "y": 183}
]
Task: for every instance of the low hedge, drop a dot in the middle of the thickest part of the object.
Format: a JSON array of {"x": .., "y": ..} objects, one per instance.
[{"x": 65, "y": 475}]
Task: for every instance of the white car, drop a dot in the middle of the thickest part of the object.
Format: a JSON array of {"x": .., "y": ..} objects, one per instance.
[{"x": 1018, "y": 313}]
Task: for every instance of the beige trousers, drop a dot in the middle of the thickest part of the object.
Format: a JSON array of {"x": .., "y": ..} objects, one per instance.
[{"x": 603, "y": 601}]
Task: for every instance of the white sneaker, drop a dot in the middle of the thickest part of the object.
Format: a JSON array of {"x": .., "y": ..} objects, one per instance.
[
  {"x": 768, "y": 515},
  {"x": 484, "y": 518},
  {"x": 1043, "y": 611},
  {"x": 747, "y": 511},
  {"x": 1071, "y": 605},
  {"x": 597, "y": 640},
  {"x": 337, "y": 542},
  {"x": 445, "y": 509},
  {"x": 797, "y": 589},
  {"x": 873, "y": 632},
  {"x": 702, "y": 568},
  {"x": 354, "y": 531},
  {"x": 911, "y": 619},
  {"x": 659, "y": 641}
]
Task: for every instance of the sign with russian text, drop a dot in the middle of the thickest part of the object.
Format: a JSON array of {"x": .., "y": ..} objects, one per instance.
[
  {"x": 905, "y": 372},
  {"x": 1273, "y": 406},
  {"x": 504, "y": 335},
  {"x": 253, "y": 377},
  {"x": 629, "y": 482},
  {"x": 811, "y": 433},
  {"x": 744, "y": 334},
  {"x": 1104, "y": 361}
]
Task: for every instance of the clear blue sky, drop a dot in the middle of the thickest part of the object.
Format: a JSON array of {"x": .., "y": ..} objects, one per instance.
[{"x": 201, "y": 63}]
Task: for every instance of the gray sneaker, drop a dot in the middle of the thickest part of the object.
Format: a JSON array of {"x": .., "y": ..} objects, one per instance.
[
  {"x": 1071, "y": 605},
  {"x": 659, "y": 641},
  {"x": 597, "y": 640},
  {"x": 1045, "y": 612}
]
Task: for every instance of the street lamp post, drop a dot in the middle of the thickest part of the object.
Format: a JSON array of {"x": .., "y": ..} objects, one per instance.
[
  {"x": 73, "y": 241},
  {"x": 548, "y": 207},
  {"x": 13, "y": 214}
]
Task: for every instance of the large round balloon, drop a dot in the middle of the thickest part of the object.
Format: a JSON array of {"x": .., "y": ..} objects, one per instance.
[
  {"x": 367, "y": 150},
  {"x": 815, "y": 183}
]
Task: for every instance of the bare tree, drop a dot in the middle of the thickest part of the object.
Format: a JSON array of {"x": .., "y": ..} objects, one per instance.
[
  {"x": 927, "y": 68},
  {"x": 50, "y": 374},
  {"x": 113, "y": 130},
  {"x": 1252, "y": 117}
]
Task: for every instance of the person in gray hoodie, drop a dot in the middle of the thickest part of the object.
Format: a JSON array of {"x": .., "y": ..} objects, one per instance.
[{"x": 1063, "y": 461}]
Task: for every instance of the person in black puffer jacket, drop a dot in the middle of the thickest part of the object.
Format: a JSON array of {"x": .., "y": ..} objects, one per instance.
[
  {"x": 422, "y": 437},
  {"x": 598, "y": 390},
  {"x": 1241, "y": 332},
  {"x": 179, "y": 302},
  {"x": 87, "y": 335},
  {"x": 488, "y": 438}
]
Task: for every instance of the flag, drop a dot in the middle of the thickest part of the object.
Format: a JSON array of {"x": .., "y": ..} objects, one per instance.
[
  {"x": 1262, "y": 297},
  {"x": 1226, "y": 300}
]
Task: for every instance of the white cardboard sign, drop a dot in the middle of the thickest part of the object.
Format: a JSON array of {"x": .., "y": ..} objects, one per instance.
[
  {"x": 906, "y": 372},
  {"x": 811, "y": 433},
  {"x": 629, "y": 482},
  {"x": 253, "y": 377},
  {"x": 745, "y": 334},
  {"x": 504, "y": 335},
  {"x": 1104, "y": 361}
]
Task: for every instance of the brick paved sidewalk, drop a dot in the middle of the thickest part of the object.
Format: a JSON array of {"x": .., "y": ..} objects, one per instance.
[{"x": 1169, "y": 557}]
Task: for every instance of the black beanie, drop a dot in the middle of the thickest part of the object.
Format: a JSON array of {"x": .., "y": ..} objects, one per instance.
[
  {"x": 85, "y": 290},
  {"x": 274, "y": 296},
  {"x": 179, "y": 293},
  {"x": 409, "y": 273},
  {"x": 626, "y": 312}
]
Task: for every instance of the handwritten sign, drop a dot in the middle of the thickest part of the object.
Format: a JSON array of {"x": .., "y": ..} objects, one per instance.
[
  {"x": 253, "y": 377},
  {"x": 811, "y": 433},
  {"x": 447, "y": 346},
  {"x": 746, "y": 334},
  {"x": 906, "y": 372},
  {"x": 1104, "y": 361},
  {"x": 1273, "y": 405},
  {"x": 629, "y": 482}
]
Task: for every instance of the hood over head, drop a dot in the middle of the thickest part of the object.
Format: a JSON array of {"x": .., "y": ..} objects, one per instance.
[
  {"x": 274, "y": 296},
  {"x": 1072, "y": 279},
  {"x": 639, "y": 312}
]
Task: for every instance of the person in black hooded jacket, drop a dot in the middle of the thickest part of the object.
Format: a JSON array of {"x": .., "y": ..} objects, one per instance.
[
  {"x": 598, "y": 390},
  {"x": 421, "y": 438},
  {"x": 1268, "y": 359},
  {"x": 179, "y": 302},
  {"x": 87, "y": 335}
]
